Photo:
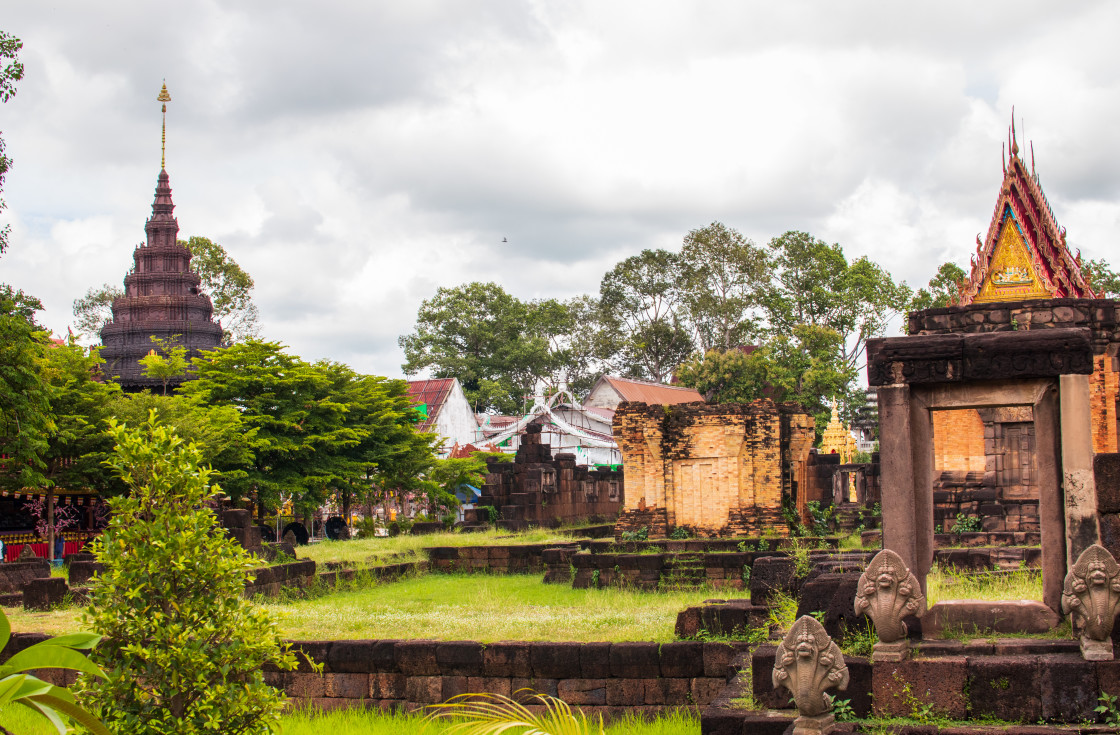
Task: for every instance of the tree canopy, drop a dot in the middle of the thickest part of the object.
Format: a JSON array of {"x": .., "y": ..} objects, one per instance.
[{"x": 942, "y": 289}]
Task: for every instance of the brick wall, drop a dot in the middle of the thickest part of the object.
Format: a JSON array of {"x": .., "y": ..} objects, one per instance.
[
  {"x": 594, "y": 676},
  {"x": 714, "y": 469},
  {"x": 607, "y": 678},
  {"x": 537, "y": 489},
  {"x": 958, "y": 440}
]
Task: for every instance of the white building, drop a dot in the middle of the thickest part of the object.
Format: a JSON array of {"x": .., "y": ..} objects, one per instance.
[{"x": 445, "y": 411}]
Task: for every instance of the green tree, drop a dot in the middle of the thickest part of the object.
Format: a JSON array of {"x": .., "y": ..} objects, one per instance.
[
  {"x": 943, "y": 288},
  {"x": 641, "y": 300},
  {"x": 724, "y": 275},
  {"x": 166, "y": 361},
  {"x": 805, "y": 367},
  {"x": 223, "y": 439},
  {"x": 11, "y": 71},
  {"x": 1102, "y": 279},
  {"x": 95, "y": 310},
  {"x": 483, "y": 336},
  {"x": 26, "y": 419},
  {"x": 814, "y": 284},
  {"x": 182, "y": 650},
  {"x": 80, "y": 404},
  {"x": 230, "y": 289}
]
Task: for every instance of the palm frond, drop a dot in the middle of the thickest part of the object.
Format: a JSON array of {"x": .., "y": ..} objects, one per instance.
[{"x": 497, "y": 714}]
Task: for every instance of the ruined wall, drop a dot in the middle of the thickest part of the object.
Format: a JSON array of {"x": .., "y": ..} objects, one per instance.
[
  {"x": 538, "y": 489},
  {"x": 1100, "y": 316},
  {"x": 717, "y": 470},
  {"x": 958, "y": 438}
]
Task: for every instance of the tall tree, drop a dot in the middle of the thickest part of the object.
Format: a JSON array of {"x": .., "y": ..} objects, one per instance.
[
  {"x": 483, "y": 336},
  {"x": 815, "y": 284},
  {"x": 1102, "y": 279},
  {"x": 11, "y": 71},
  {"x": 230, "y": 289},
  {"x": 81, "y": 404},
  {"x": 26, "y": 419},
  {"x": 942, "y": 290},
  {"x": 641, "y": 299},
  {"x": 95, "y": 310},
  {"x": 724, "y": 275}
]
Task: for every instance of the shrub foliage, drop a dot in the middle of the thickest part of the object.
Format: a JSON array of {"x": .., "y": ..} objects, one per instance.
[{"x": 182, "y": 650}]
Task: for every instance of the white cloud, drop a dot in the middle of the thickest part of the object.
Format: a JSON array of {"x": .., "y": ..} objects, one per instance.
[{"x": 355, "y": 156}]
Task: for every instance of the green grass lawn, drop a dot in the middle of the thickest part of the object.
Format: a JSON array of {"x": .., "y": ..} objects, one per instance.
[
  {"x": 485, "y": 608},
  {"x": 455, "y": 607},
  {"x": 364, "y": 552},
  {"x": 21, "y": 722}
]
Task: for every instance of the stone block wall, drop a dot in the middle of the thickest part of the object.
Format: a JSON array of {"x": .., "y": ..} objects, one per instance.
[
  {"x": 538, "y": 489},
  {"x": 608, "y": 678},
  {"x": 717, "y": 470},
  {"x": 1100, "y": 316},
  {"x": 514, "y": 559},
  {"x": 1106, "y": 469},
  {"x": 958, "y": 440}
]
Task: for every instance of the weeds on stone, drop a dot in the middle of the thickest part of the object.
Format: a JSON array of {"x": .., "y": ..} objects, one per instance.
[
  {"x": 1108, "y": 709},
  {"x": 859, "y": 639},
  {"x": 783, "y": 610}
]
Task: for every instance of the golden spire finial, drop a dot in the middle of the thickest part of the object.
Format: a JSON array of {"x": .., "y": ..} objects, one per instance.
[{"x": 164, "y": 97}]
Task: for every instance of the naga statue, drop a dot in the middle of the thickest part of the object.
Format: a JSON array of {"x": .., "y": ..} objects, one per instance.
[
  {"x": 887, "y": 593},
  {"x": 807, "y": 663},
  {"x": 1091, "y": 596}
]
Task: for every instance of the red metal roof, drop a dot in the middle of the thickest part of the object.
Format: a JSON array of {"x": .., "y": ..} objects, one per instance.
[
  {"x": 432, "y": 393},
  {"x": 653, "y": 393}
]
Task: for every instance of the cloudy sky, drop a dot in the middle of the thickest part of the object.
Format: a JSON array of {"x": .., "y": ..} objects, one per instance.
[{"x": 354, "y": 156}]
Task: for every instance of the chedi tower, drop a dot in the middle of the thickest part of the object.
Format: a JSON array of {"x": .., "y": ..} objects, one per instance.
[{"x": 161, "y": 295}]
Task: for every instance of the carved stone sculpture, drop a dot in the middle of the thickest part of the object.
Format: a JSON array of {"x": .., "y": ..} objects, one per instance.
[
  {"x": 888, "y": 592},
  {"x": 1091, "y": 596},
  {"x": 807, "y": 663}
]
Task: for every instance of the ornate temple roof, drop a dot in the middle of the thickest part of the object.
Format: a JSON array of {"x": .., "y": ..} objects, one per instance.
[{"x": 1024, "y": 255}]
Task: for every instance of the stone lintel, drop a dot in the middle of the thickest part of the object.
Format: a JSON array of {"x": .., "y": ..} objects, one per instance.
[{"x": 953, "y": 358}]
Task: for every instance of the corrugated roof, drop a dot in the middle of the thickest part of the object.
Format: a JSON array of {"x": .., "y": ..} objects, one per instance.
[
  {"x": 434, "y": 394},
  {"x": 654, "y": 393}
]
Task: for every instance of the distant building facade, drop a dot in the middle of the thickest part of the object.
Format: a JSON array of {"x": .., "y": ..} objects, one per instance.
[{"x": 445, "y": 411}]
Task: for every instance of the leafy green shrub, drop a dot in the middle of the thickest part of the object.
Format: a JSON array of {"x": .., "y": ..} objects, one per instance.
[
  {"x": 182, "y": 650},
  {"x": 680, "y": 533},
  {"x": 821, "y": 518},
  {"x": 966, "y": 524},
  {"x": 492, "y": 513},
  {"x": 642, "y": 534},
  {"x": 17, "y": 687}
]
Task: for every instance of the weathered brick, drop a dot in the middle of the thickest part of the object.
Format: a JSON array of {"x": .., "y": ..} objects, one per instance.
[
  {"x": 704, "y": 689},
  {"x": 583, "y": 691},
  {"x": 489, "y": 685},
  {"x": 625, "y": 692},
  {"x": 634, "y": 660},
  {"x": 459, "y": 658},
  {"x": 682, "y": 659},
  {"x": 1005, "y": 687},
  {"x": 508, "y": 659},
  {"x": 347, "y": 686},
  {"x": 304, "y": 685},
  {"x": 417, "y": 658},
  {"x": 595, "y": 660},
  {"x": 900, "y": 689},
  {"x": 424, "y": 689},
  {"x": 555, "y": 660},
  {"x": 1069, "y": 687},
  {"x": 666, "y": 691},
  {"x": 387, "y": 685}
]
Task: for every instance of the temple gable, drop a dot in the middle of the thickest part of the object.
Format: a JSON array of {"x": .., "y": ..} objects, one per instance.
[{"x": 1024, "y": 255}]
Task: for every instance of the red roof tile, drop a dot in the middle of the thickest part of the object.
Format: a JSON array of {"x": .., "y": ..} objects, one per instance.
[
  {"x": 653, "y": 393},
  {"x": 432, "y": 393}
]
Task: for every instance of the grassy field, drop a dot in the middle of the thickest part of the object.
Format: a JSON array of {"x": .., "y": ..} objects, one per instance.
[
  {"x": 951, "y": 585},
  {"x": 20, "y": 722},
  {"x": 364, "y": 552},
  {"x": 456, "y": 607}
]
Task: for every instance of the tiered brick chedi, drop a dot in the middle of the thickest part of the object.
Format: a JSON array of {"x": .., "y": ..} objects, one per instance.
[
  {"x": 717, "y": 470},
  {"x": 161, "y": 299}
]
